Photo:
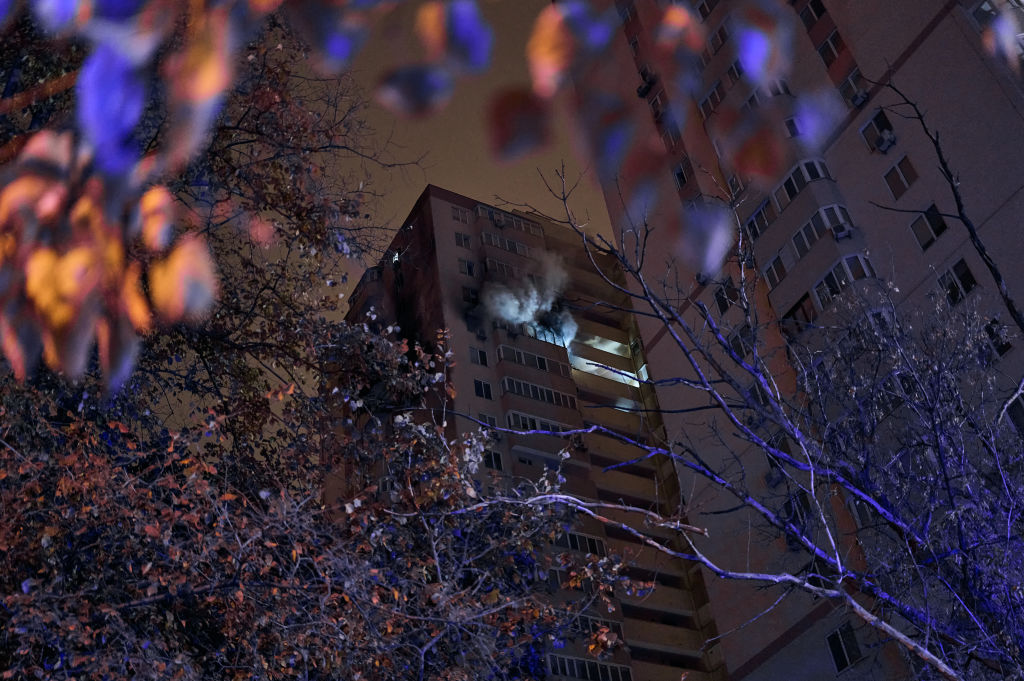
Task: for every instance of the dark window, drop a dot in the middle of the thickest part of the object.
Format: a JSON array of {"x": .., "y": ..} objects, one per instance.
[
  {"x": 831, "y": 48},
  {"x": 482, "y": 389},
  {"x": 810, "y": 14},
  {"x": 726, "y": 295},
  {"x": 842, "y": 643},
  {"x": 958, "y": 282},
  {"x": 878, "y": 132},
  {"x": 478, "y": 356},
  {"x": 492, "y": 459},
  {"x": 462, "y": 240},
  {"x": 928, "y": 227},
  {"x": 996, "y": 332},
  {"x": 900, "y": 177}
]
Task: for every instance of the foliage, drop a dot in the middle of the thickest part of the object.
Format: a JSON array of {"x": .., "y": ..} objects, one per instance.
[{"x": 134, "y": 556}]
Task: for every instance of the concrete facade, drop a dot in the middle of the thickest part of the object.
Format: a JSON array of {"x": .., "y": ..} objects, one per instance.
[
  {"x": 933, "y": 51},
  {"x": 439, "y": 267}
]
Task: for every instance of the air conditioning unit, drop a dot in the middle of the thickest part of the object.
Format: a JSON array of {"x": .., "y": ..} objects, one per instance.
[
  {"x": 860, "y": 98},
  {"x": 885, "y": 141},
  {"x": 842, "y": 231}
]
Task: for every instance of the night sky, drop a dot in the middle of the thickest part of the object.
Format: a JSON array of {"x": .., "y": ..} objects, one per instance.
[{"x": 454, "y": 141}]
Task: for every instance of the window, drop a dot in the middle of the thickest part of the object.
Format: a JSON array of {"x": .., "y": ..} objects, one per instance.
[
  {"x": 877, "y": 132},
  {"x": 492, "y": 459},
  {"x": 470, "y": 295},
  {"x": 587, "y": 670},
  {"x": 705, "y": 7},
  {"x": 842, "y": 643},
  {"x": 460, "y": 215},
  {"x": 900, "y": 177},
  {"x": 482, "y": 389},
  {"x": 735, "y": 185},
  {"x": 820, "y": 223},
  {"x": 996, "y": 332},
  {"x": 477, "y": 356},
  {"x": 726, "y": 295},
  {"x": 462, "y": 240},
  {"x": 779, "y": 87},
  {"x": 758, "y": 222},
  {"x": 775, "y": 272},
  {"x": 811, "y": 13},
  {"x": 626, "y": 11},
  {"x": 957, "y": 282},
  {"x": 712, "y": 100},
  {"x": 735, "y": 72},
  {"x": 742, "y": 341},
  {"x": 538, "y": 392},
  {"x": 719, "y": 37},
  {"x": 657, "y": 105},
  {"x": 804, "y": 172},
  {"x": 1016, "y": 413},
  {"x": 581, "y": 542},
  {"x": 467, "y": 267},
  {"x": 488, "y": 419},
  {"x": 830, "y": 49},
  {"x": 510, "y": 245},
  {"x": 522, "y": 421},
  {"x": 849, "y": 269},
  {"x": 792, "y": 129},
  {"x": 799, "y": 317},
  {"x": 854, "y": 88},
  {"x": 670, "y": 134},
  {"x": 682, "y": 172},
  {"x": 928, "y": 227},
  {"x": 754, "y": 100}
]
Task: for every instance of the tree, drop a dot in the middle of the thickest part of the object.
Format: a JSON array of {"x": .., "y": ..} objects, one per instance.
[{"x": 140, "y": 555}]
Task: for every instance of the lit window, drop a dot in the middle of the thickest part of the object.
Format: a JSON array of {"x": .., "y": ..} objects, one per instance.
[
  {"x": 957, "y": 282},
  {"x": 900, "y": 177},
  {"x": 928, "y": 226},
  {"x": 831, "y": 48},
  {"x": 842, "y": 643}
]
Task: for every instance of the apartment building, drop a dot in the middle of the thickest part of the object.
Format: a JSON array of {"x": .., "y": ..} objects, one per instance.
[
  {"x": 861, "y": 205},
  {"x": 573, "y": 364}
]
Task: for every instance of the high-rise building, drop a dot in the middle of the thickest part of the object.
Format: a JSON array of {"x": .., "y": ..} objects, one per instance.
[
  {"x": 543, "y": 342},
  {"x": 862, "y": 198}
]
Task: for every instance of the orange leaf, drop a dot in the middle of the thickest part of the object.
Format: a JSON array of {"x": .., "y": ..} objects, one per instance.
[
  {"x": 184, "y": 285},
  {"x": 151, "y": 531}
]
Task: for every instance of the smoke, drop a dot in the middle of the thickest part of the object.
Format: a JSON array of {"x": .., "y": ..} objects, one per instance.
[{"x": 534, "y": 300}]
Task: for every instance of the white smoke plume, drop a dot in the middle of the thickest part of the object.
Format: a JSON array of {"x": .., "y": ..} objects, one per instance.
[{"x": 531, "y": 300}]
